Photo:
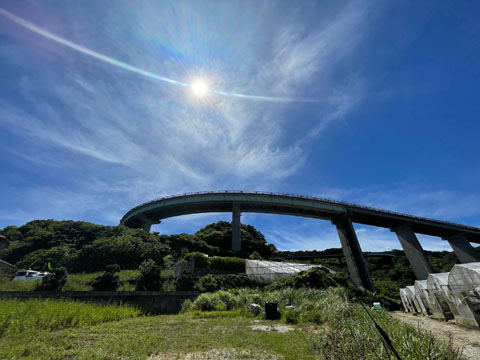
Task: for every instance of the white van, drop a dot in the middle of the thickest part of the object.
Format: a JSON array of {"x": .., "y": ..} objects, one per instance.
[{"x": 29, "y": 275}]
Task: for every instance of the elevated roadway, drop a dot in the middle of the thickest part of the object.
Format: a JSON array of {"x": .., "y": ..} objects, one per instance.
[{"x": 341, "y": 214}]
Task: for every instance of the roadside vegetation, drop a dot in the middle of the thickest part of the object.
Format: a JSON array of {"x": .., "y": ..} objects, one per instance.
[
  {"x": 323, "y": 324},
  {"x": 22, "y": 318},
  {"x": 346, "y": 327}
]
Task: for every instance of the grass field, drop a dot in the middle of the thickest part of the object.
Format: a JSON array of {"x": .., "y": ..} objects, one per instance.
[
  {"x": 327, "y": 326},
  {"x": 75, "y": 282}
]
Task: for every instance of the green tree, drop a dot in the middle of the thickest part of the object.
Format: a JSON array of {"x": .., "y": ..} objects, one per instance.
[
  {"x": 54, "y": 281},
  {"x": 150, "y": 278},
  {"x": 109, "y": 280}
]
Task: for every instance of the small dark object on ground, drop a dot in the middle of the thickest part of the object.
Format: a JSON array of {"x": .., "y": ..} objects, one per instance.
[{"x": 271, "y": 311}]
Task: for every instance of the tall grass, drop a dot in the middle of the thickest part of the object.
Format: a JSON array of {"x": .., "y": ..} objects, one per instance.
[
  {"x": 7, "y": 285},
  {"x": 349, "y": 332},
  {"x": 75, "y": 282},
  {"x": 19, "y": 316}
]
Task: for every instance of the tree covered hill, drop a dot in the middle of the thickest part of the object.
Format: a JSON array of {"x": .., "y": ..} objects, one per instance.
[
  {"x": 82, "y": 246},
  {"x": 85, "y": 247}
]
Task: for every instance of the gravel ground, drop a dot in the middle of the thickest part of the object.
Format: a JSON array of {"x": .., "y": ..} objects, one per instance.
[{"x": 463, "y": 338}]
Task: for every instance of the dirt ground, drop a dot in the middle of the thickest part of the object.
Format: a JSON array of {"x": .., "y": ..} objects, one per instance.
[{"x": 466, "y": 339}]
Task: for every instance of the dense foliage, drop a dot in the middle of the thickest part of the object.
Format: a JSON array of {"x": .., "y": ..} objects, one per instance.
[
  {"x": 85, "y": 247},
  {"x": 150, "y": 278},
  {"x": 109, "y": 280},
  {"x": 209, "y": 283},
  {"x": 54, "y": 281},
  {"x": 185, "y": 282}
]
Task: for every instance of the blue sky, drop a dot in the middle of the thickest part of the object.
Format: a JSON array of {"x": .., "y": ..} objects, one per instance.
[{"x": 370, "y": 102}]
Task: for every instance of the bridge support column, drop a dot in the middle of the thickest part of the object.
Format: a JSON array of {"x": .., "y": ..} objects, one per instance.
[
  {"x": 147, "y": 224},
  {"x": 236, "y": 234},
  {"x": 462, "y": 248},
  {"x": 356, "y": 262},
  {"x": 413, "y": 251}
]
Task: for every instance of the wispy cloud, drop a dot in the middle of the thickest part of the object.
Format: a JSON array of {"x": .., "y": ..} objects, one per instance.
[{"x": 124, "y": 139}]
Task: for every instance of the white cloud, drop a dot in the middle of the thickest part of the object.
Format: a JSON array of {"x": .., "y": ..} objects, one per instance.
[{"x": 150, "y": 139}]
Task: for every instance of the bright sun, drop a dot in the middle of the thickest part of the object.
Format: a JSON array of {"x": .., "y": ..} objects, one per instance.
[{"x": 199, "y": 88}]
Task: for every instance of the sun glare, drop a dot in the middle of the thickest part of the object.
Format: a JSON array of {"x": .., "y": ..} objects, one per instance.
[{"x": 199, "y": 88}]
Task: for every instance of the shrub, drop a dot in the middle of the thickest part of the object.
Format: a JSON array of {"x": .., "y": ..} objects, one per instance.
[
  {"x": 387, "y": 294},
  {"x": 207, "y": 283},
  {"x": 54, "y": 281},
  {"x": 227, "y": 264},
  {"x": 291, "y": 316},
  {"x": 150, "y": 278},
  {"x": 186, "y": 282},
  {"x": 200, "y": 260},
  {"x": 235, "y": 281},
  {"x": 255, "y": 256},
  {"x": 109, "y": 281},
  {"x": 315, "y": 278}
]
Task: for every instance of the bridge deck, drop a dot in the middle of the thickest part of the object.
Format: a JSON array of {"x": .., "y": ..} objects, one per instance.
[{"x": 296, "y": 205}]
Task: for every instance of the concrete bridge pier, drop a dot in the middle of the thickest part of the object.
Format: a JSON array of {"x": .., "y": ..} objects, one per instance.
[
  {"x": 147, "y": 223},
  {"x": 356, "y": 262},
  {"x": 236, "y": 226},
  {"x": 413, "y": 251},
  {"x": 462, "y": 248}
]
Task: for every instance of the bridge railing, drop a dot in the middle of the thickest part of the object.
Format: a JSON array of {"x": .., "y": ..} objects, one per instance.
[{"x": 315, "y": 198}]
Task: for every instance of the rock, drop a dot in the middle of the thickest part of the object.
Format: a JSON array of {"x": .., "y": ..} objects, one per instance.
[{"x": 254, "y": 309}]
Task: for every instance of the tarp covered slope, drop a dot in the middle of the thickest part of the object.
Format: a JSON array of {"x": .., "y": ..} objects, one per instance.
[{"x": 265, "y": 272}]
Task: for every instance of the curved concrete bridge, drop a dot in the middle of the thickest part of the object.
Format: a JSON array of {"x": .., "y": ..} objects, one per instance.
[{"x": 341, "y": 214}]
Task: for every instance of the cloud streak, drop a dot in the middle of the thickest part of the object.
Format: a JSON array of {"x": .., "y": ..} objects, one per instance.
[
  {"x": 123, "y": 65},
  {"x": 119, "y": 140}
]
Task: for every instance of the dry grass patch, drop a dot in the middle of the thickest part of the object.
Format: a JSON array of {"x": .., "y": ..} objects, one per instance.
[{"x": 218, "y": 354}]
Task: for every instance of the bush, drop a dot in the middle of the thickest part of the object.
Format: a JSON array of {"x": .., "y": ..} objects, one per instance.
[
  {"x": 109, "y": 281},
  {"x": 235, "y": 281},
  {"x": 54, "y": 281},
  {"x": 200, "y": 260},
  {"x": 150, "y": 278},
  {"x": 186, "y": 282},
  {"x": 228, "y": 264},
  {"x": 255, "y": 256},
  {"x": 207, "y": 283},
  {"x": 315, "y": 278}
]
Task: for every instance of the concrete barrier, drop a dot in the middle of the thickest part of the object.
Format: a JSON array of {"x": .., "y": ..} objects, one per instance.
[{"x": 154, "y": 302}]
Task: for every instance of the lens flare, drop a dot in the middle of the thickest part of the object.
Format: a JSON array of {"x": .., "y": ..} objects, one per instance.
[{"x": 197, "y": 87}]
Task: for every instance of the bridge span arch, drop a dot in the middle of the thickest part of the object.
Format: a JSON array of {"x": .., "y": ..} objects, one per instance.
[{"x": 341, "y": 214}]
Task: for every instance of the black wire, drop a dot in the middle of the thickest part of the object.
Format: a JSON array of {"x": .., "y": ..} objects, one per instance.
[{"x": 384, "y": 335}]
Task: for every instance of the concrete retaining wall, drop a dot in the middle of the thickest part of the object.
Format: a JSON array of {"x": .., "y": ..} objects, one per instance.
[{"x": 155, "y": 302}]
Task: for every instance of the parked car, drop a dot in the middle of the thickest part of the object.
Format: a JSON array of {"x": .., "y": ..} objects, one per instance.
[{"x": 29, "y": 275}]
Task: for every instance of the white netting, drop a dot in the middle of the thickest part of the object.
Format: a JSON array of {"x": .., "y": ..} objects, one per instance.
[
  {"x": 413, "y": 299},
  {"x": 422, "y": 293},
  {"x": 463, "y": 281},
  {"x": 268, "y": 271},
  {"x": 403, "y": 297},
  {"x": 464, "y": 277},
  {"x": 438, "y": 295}
]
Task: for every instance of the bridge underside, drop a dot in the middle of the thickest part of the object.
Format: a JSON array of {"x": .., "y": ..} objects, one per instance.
[{"x": 342, "y": 215}]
